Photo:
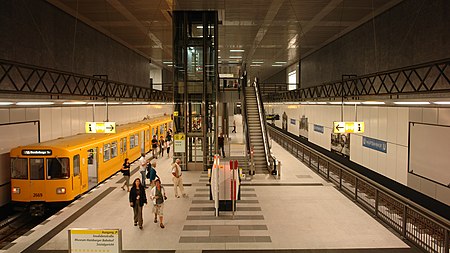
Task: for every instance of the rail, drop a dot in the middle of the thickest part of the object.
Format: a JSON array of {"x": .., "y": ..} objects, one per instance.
[
  {"x": 21, "y": 79},
  {"x": 431, "y": 77},
  {"x": 244, "y": 115},
  {"x": 414, "y": 223},
  {"x": 262, "y": 119}
]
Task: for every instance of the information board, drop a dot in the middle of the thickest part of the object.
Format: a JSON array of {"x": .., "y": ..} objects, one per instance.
[
  {"x": 95, "y": 240},
  {"x": 179, "y": 143},
  {"x": 100, "y": 127},
  {"x": 348, "y": 127}
]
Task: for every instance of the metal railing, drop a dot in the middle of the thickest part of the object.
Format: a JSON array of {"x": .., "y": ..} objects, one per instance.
[
  {"x": 19, "y": 78},
  {"x": 431, "y": 77},
  {"x": 416, "y": 224},
  {"x": 262, "y": 119}
]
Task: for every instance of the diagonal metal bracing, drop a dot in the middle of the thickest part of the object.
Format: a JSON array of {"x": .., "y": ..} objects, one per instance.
[
  {"x": 432, "y": 77},
  {"x": 18, "y": 78}
]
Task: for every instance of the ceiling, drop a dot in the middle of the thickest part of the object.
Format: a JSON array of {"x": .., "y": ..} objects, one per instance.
[{"x": 270, "y": 32}]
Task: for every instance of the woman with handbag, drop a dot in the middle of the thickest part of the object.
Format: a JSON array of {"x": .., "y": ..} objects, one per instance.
[
  {"x": 137, "y": 201},
  {"x": 158, "y": 195}
]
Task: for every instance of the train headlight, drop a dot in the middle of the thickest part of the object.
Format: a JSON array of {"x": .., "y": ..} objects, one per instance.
[
  {"x": 61, "y": 190},
  {"x": 16, "y": 190}
]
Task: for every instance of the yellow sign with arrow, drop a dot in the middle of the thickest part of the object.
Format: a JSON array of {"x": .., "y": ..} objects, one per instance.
[{"x": 348, "y": 127}]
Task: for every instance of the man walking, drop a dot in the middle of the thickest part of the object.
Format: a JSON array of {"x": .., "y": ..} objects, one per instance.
[
  {"x": 220, "y": 142},
  {"x": 142, "y": 168},
  {"x": 177, "y": 180}
]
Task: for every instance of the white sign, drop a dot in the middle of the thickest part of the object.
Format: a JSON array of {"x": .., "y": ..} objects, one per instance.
[
  {"x": 179, "y": 143},
  {"x": 95, "y": 240}
]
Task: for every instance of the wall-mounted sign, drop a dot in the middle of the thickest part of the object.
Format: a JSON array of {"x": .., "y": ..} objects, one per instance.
[
  {"x": 100, "y": 127},
  {"x": 318, "y": 128},
  {"x": 179, "y": 143},
  {"x": 36, "y": 152},
  {"x": 292, "y": 121},
  {"x": 348, "y": 127},
  {"x": 95, "y": 240},
  {"x": 175, "y": 113},
  {"x": 374, "y": 144}
]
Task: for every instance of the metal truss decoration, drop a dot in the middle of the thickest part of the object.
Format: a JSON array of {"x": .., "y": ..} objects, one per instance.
[
  {"x": 432, "y": 77},
  {"x": 18, "y": 78}
]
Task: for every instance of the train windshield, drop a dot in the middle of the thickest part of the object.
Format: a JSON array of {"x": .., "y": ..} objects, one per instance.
[
  {"x": 19, "y": 168},
  {"x": 37, "y": 169},
  {"x": 58, "y": 168}
]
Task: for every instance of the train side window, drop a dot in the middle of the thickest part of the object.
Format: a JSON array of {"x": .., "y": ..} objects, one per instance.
[
  {"x": 153, "y": 132},
  {"x": 106, "y": 152},
  {"x": 114, "y": 149},
  {"x": 19, "y": 168},
  {"x": 131, "y": 141},
  {"x": 58, "y": 168},
  {"x": 76, "y": 165},
  {"x": 147, "y": 135},
  {"x": 37, "y": 169},
  {"x": 162, "y": 129},
  {"x": 125, "y": 144},
  {"x": 136, "y": 140}
]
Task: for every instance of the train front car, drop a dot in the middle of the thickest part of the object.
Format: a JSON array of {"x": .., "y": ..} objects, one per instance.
[{"x": 40, "y": 175}]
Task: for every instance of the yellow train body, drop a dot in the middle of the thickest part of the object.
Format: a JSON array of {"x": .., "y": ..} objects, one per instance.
[{"x": 62, "y": 169}]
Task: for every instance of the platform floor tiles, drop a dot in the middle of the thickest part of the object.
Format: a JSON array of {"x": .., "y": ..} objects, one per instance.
[{"x": 300, "y": 212}]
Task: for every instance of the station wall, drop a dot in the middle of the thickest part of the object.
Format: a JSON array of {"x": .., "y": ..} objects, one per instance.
[
  {"x": 412, "y": 32},
  {"x": 386, "y": 124},
  {"x": 38, "y": 33},
  {"x": 56, "y": 122}
]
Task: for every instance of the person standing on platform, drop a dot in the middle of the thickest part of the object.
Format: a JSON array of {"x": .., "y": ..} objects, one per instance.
[
  {"x": 234, "y": 127},
  {"x": 142, "y": 168},
  {"x": 137, "y": 200},
  {"x": 221, "y": 142},
  {"x": 162, "y": 144},
  {"x": 168, "y": 143},
  {"x": 151, "y": 173},
  {"x": 126, "y": 174},
  {"x": 158, "y": 195},
  {"x": 154, "y": 146},
  {"x": 177, "y": 180}
]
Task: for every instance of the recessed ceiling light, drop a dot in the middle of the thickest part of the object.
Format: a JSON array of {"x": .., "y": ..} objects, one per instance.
[
  {"x": 75, "y": 103},
  {"x": 412, "y": 103},
  {"x": 113, "y": 103},
  {"x": 442, "y": 103},
  {"x": 96, "y": 103},
  {"x": 237, "y": 50},
  {"x": 35, "y": 103},
  {"x": 280, "y": 62},
  {"x": 335, "y": 103},
  {"x": 255, "y": 65},
  {"x": 321, "y": 103},
  {"x": 6, "y": 103},
  {"x": 373, "y": 103},
  {"x": 235, "y": 57},
  {"x": 257, "y": 62},
  {"x": 277, "y": 65},
  {"x": 167, "y": 62},
  {"x": 352, "y": 103}
]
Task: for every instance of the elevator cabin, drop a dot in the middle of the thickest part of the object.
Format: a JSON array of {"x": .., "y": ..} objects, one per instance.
[{"x": 195, "y": 86}]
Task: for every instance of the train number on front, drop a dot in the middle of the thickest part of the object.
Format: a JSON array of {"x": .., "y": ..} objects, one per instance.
[{"x": 37, "y": 195}]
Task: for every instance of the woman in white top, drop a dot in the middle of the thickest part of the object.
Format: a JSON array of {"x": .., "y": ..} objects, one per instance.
[{"x": 158, "y": 195}]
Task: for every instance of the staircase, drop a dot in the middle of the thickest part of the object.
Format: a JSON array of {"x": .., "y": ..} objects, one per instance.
[{"x": 255, "y": 131}]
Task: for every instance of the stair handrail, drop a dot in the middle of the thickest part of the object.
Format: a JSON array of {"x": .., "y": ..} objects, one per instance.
[
  {"x": 262, "y": 119},
  {"x": 244, "y": 115}
]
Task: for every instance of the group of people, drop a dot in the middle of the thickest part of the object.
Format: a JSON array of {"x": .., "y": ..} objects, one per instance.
[
  {"x": 162, "y": 143},
  {"x": 137, "y": 194}
]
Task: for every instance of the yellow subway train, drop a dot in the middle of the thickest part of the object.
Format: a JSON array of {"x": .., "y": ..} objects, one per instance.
[{"x": 61, "y": 170}]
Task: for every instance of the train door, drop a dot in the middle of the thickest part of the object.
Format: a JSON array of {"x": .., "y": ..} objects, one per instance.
[
  {"x": 123, "y": 148},
  {"x": 37, "y": 179},
  {"x": 77, "y": 178},
  {"x": 92, "y": 167},
  {"x": 143, "y": 142}
]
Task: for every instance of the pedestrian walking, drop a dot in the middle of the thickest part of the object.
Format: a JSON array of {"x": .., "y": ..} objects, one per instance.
[
  {"x": 143, "y": 169},
  {"x": 234, "y": 127},
  {"x": 126, "y": 174},
  {"x": 162, "y": 144},
  {"x": 168, "y": 143},
  {"x": 151, "y": 173},
  {"x": 177, "y": 179},
  {"x": 137, "y": 201},
  {"x": 158, "y": 195},
  {"x": 154, "y": 146},
  {"x": 221, "y": 142}
]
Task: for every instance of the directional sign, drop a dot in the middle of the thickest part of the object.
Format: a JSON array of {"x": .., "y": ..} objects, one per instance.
[
  {"x": 175, "y": 113},
  {"x": 179, "y": 143},
  {"x": 348, "y": 127},
  {"x": 100, "y": 127}
]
